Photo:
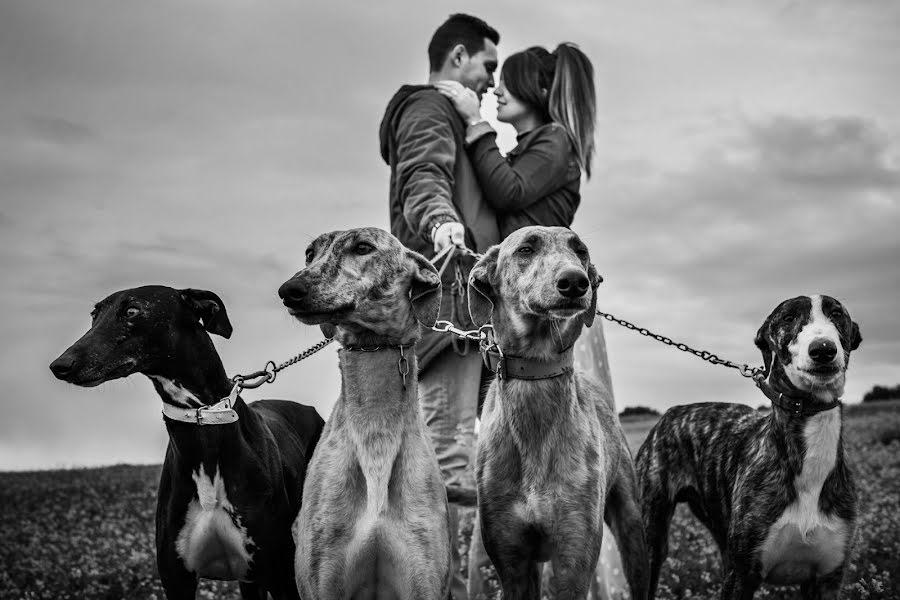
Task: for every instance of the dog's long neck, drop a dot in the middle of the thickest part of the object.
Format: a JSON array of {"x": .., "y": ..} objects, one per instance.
[
  {"x": 191, "y": 380},
  {"x": 812, "y": 443},
  {"x": 534, "y": 406},
  {"x": 377, "y": 409}
]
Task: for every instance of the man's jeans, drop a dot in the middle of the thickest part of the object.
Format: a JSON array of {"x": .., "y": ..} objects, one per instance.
[{"x": 448, "y": 396}]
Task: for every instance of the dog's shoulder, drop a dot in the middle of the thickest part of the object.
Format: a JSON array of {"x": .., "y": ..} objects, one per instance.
[{"x": 591, "y": 390}]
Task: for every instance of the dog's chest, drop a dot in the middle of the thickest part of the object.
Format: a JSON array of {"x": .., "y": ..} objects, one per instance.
[
  {"x": 213, "y": 543},
  {"x": 804, "y": 541},
  {"x": 558, "y": 459}
]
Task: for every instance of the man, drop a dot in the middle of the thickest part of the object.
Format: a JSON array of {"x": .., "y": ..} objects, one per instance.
[{"x": 435, "y": 202}]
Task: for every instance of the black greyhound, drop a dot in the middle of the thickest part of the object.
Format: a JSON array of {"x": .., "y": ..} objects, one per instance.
[{"x": 233, "y": 476}]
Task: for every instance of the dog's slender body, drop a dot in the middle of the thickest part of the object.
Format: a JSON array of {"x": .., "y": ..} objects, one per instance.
[
  {"x": 374, "y": 522},
  {"x": 552, "y": 460},
  {"x": 231, "y": 487},
  {"x": 774, "y": 490}
]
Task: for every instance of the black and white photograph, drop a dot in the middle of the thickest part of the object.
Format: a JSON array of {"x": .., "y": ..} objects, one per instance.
[{"x": 450, "y": 300}]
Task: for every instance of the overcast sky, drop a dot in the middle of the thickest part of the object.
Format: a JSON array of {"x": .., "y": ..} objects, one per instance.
[{"x": 748, "y": 152}]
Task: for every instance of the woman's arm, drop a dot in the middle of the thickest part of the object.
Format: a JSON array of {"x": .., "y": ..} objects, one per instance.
[{"x": 540, "y": 169}]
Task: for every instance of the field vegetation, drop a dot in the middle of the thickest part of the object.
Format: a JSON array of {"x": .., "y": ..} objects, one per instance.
[{"x": 88, "y": 533}]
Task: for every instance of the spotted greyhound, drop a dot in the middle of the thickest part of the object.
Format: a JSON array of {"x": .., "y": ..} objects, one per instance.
[
  {"x": 374, "y": 521},
  {"x": 773, "y": 489},
  {"x": 233, "y": 475},
  {"x": 552, "y": 462}
]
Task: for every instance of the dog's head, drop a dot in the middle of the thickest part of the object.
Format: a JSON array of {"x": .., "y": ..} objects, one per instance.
[
  {"x": 141, "y": 330},
  {"x": 806, "y": 344},
  {"x": 538, "y": 285},
  {"x": 364, "y": 288}
]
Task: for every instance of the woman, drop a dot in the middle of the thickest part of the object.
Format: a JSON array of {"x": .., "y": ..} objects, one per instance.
[{"x": 549, "y": 98}]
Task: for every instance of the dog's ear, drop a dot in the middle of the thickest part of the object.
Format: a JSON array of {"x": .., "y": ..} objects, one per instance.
[
  {"x": 855, "y": 336},
  {"x": 594, "y": 277},
  {"x": 762, "y": 342},
  {"x": 328, "y": 330},
  {"x": 481, "y": 290},
  {"x": 209, "y": 309},
  {"x": 425, "y": 289}
]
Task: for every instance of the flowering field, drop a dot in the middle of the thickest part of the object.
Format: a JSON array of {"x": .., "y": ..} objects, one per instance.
[{"x": 89, "y": 533}]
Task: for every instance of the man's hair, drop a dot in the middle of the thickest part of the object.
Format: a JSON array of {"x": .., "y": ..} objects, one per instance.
[{"x": 459, "y": 29}]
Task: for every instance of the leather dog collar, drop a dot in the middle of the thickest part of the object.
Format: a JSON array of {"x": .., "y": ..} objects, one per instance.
[
  {"x": 801, "y": 404},
  {"x": 402, "y": 362},
  {"x": 219, "y": 413},
  {"x": 507, "y": 366}
]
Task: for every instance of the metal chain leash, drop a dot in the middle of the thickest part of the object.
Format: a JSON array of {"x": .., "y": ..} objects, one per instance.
[
  {"x": 482, "y": 335},
  {"x": 745, "y": 370},
  {"x": 267, "y": 375},
  {"x": 270, "y": 371},
  {"x": 471, "y": 334}
]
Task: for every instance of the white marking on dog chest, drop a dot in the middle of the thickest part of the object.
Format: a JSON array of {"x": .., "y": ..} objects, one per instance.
[
  {"x": 179, "y": 395},
  {"x": 213, "y": 543},
  {"x": 803, "y": 541}
]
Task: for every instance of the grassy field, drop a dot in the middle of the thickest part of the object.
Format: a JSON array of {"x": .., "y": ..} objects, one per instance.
[{"x": 89, "y": 533}]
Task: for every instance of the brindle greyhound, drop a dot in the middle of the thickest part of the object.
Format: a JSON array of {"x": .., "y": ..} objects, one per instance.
[
  {"x": 374, "y": 522},
  {"x": 774, "y": 490},
  {"x": 233, "y": 476},
  {"x": 553, "y": 463}
]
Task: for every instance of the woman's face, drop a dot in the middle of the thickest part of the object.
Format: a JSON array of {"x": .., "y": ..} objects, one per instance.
[{"x": 509, "y": 108}]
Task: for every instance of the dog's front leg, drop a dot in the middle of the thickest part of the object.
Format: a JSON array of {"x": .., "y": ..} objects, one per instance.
[
  {"x": 510, "y": 545},
  {"x": 824, "y": 588},
  {"x": 739, "y": 583},
  {"x": 177, "y": 581},
  {"x": 623, "y": 515},
  {"x": 573, "y": 571}
]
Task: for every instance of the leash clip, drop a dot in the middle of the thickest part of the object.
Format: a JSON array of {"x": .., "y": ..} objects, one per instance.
[
  {"x": 501, "y": 361},
  {"x": 231, "y": 398},
  {"x": 403, "y": 366}
]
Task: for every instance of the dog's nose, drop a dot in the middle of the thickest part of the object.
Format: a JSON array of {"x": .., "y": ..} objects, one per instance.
[
  {"x": 573, "y": 284},
  {"x": 822, "y": 350},
  {"x": 292, "y": 291},
  {"x": 62, "y": 366}
]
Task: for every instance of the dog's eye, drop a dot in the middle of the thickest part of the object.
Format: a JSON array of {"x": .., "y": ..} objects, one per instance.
[
  {"x": 364, "y": 248},
  {"x": 837, "y": 313},
  {"x": 788, "y": 318},
  {"x": 525, "y": 250},
  {"x": 132, "y": 311},
  {"x": 309, "y": 255}
]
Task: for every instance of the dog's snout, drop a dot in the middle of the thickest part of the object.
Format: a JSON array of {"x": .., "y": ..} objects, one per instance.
[
  {"x": 822, "y": 350},
  {"x": 293, "y": 290},
  {"x": 573, "y": 283},
  {"x": 63, "y": 366}
]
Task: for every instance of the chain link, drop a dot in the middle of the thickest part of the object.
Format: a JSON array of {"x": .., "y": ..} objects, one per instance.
[
  {"x": 745, "y": 370},
  {"x": 471, "y": 334},
  {"x": 267, "y": 375}
]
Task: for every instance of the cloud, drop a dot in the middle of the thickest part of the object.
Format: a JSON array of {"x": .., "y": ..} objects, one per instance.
[
  {"x": 776, "y": 206},
  {"x": 204, "y": 144},
  {"x": 836, "y": 153},
  {"x": 58, "y": 130}
]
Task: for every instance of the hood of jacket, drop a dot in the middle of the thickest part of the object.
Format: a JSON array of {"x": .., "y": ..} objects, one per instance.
[{"x": 393, "y": 110}]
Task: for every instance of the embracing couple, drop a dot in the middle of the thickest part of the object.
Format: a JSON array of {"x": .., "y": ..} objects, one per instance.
[{"x": 450, "y": 185}]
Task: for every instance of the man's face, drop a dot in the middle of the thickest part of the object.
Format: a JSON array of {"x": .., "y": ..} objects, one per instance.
[{"x": 477, "y": 70}]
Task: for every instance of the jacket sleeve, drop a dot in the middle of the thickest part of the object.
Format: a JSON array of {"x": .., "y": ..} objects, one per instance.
[
  {"x": 426, "y": 158},
  {"x": 540, "y": 169}
]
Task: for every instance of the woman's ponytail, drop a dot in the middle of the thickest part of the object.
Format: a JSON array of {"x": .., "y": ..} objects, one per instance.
[{"x": 573, "y": 102}]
